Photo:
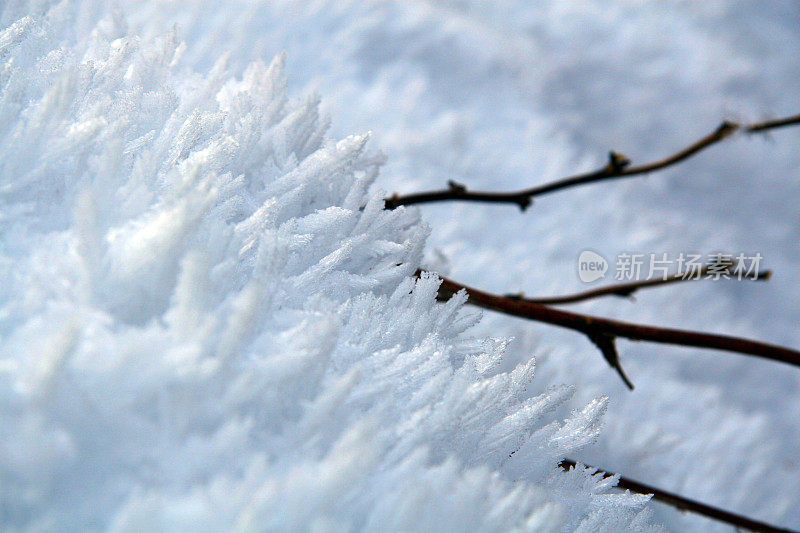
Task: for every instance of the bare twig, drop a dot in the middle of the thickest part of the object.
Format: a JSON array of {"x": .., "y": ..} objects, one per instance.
[
  {"x": 603, "y": 332},
  {"x": 618, "y": 166},
  {"x": 773, "y": 124},
  {"x": 623, "y": 290},
  {"x": 683, "y": 504}
]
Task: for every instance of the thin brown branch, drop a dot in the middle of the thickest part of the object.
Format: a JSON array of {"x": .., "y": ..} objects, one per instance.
[
  {"x": 603, "y": 332},
  {"x": 618, "y": 166},
  {"x": 624, "y": 290},
  {"x": 773, "y": 124},
  {"x": 684, "y": 504}
]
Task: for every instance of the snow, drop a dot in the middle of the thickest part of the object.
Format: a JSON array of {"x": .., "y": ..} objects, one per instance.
[
  {"x": 212, "y": 324},
  {"x": 203, "y": 328}
]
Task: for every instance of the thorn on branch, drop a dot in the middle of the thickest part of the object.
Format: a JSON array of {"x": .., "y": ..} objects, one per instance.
[{"x": 607, "y": 346}]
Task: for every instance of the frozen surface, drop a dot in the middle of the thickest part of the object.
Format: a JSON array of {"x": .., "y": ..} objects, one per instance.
[{"x": 203, "y": 295}]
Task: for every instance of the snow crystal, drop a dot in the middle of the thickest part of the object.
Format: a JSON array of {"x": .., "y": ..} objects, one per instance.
[{"x": 208, "y": 322}]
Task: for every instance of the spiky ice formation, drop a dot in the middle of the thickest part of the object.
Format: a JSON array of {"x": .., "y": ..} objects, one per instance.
[{"x": 208, "y": 321}]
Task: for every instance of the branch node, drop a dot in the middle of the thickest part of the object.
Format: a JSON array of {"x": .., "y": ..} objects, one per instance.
[
  {"x": 617, "y": 162},
  {"x": 727, "y": 126},
  {"x": 626, "y": 292},
  {"x": 524, "y": 202},
  {"x": 456, "y": 186}
]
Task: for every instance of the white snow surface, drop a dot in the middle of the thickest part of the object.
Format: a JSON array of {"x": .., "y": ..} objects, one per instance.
[{"x": 208, "y": 321}]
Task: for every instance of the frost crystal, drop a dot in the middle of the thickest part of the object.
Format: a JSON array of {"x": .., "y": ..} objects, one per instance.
[{"x": 209, "y": 322}]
